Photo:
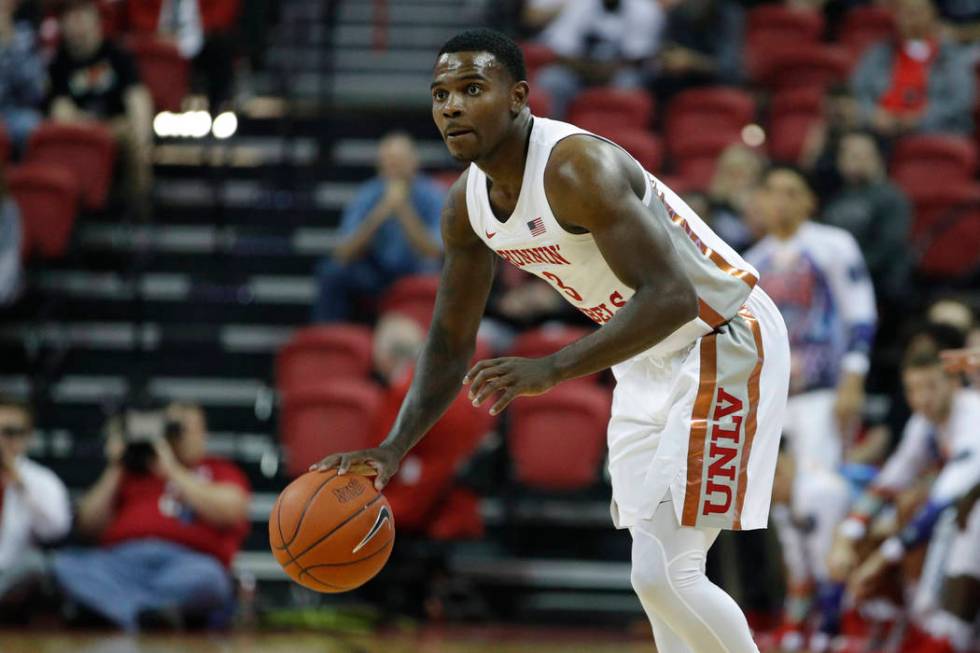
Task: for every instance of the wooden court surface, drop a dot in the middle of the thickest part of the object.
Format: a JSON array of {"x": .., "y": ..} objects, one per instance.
[{"x": 455, "y": 640}]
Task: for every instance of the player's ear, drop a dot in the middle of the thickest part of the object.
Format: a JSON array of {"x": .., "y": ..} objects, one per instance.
[{"x": 518, "y": 97}]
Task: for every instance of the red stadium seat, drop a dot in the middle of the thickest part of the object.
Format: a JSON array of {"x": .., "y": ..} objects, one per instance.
[
  {"x": 923, "y": 161},
  {"x": 546, "y": 340},
  {"x": 946, "y": 230},
  {"x": 536, "y": 57},
  {"x": 707, "y": 110},
  {"x": 792, "y": 114},
  {"x": 864, "y": 26},
  {"x": 88, "y": 151},
  {"x": 622, "y": 107},
  {"x": 643, "y": 145},
  {"x": 337, "y": 415},
  {"x": 557, "y": 440},
  {"x": 416, "y": 295},
  {"x": 695, "y": 156},
  {"x": 47, "y": 196},
  {"x": 164, "y": 71},
  {"x": 540, "y": 103},
  {"x": 805, "y": 66},
  {"x": 321, "y": 353},
  {"x": 5, "y": 144},
  {"x": 776, "y": 26}
]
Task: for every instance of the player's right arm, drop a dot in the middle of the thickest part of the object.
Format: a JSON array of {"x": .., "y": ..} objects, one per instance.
[{"x": 467, "y": 275}]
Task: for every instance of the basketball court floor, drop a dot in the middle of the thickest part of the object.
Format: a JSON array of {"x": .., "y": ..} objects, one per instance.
[{"x": 429, "y": 640}]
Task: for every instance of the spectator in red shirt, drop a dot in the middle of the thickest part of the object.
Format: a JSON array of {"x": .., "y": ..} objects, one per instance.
[
  {"x": 919, "y": 82},
  {"x": 166, "y": 536}
]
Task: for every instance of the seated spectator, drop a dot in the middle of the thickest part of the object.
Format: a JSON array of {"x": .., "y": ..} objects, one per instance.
[
  {"x": 841, "y": 115},
  {"x": 737, "y": 174},
  {"x": 599, "y": 43},
  {"x": 389, "y": 230},
  {"x": 202, "y": 30},
  {"x": 33, "y": 506},
  {"x": 702, "y": 44},
  {"x": 11, "y": 243},
  {"x": 168, "y": 519},
  {"x": 921, "y": 82},
  {"x": 93, "y": 79},
  {"x": 875, "y": 211},
  {"x": 941, "y": 437},
  {"x": 22, "y": 76}
]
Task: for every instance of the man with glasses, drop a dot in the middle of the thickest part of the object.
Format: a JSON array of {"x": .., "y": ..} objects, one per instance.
[{"x": 33, "y": 507}]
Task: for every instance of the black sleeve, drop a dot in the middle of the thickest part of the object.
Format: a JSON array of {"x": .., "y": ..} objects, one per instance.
[
  {"x": 58, "y": 71},
  {"x": 126, "y": 69}
]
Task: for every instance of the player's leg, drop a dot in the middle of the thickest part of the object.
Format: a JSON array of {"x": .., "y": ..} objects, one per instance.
[
  {"x": 337, "y": 283},
  {"x": 668, "y": 577},
  {"x": 955, "y": 623}
]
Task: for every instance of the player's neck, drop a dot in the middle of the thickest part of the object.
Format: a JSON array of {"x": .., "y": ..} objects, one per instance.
[
  {"x": 787, "y": 231},
  {"x": 505, "y": 164}
]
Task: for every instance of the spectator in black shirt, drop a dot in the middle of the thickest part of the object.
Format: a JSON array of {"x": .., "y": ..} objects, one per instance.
[{"x": 92, "y": 79}]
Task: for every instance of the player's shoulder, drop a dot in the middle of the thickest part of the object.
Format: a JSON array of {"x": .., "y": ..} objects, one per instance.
[
  {"x": 966, "y": 404},
  {"x": 827, "y": 241},
  {"x": 582, "y": 166}
]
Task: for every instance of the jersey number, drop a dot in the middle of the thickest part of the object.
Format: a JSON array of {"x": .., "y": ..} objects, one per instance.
[{"x": 571, "y": 292}]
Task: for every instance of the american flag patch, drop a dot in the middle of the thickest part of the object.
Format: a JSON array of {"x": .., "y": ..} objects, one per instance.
[{"x": 536, "y": 226}]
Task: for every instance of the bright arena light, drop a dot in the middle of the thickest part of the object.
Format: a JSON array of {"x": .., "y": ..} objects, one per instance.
[
  {"x": 165, "y": 124},
  {"x": 753, "y": 135},
  {"x": 198, "y": 123},
  {"x": 225, "y": 125}
]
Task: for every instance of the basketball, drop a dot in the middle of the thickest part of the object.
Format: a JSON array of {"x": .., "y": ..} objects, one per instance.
[{"x": 331, "y": 533}]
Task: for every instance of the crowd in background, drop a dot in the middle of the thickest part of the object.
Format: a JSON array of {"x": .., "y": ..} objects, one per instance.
[
  {"x": 860, "y": 492},
  {"x": 69, "y": 62}
]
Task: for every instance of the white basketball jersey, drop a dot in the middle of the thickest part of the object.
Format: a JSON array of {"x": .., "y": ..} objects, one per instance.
[{"x": 532, "y": 239}]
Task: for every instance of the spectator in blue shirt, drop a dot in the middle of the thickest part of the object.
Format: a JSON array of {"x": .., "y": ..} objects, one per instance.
[
  {"x": 23, "y": 79},
  {"x": 389, "y": 230}
]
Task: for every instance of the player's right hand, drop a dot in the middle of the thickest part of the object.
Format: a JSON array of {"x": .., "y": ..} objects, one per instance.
[{"x": 380, "y": 462}]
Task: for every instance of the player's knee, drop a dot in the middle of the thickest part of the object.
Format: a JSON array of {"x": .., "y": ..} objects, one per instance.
[
  {"x": 650, "y": 579},
  {"x": 657, "y": 582}
]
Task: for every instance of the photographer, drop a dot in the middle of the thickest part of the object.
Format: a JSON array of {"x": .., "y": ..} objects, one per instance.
[
  {"x": 33, "y": 507},
  {"x": 168, "y": 519}
]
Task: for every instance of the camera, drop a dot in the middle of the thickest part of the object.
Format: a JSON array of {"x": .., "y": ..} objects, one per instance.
[{"x": 139, "y": 429}]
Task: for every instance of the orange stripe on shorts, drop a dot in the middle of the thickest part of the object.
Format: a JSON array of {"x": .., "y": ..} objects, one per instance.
[
  {"x": 699, "y": 429},
  {"x": 750, "y": 420}
]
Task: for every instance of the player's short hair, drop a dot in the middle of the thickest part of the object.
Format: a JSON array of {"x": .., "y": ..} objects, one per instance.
[
  {"x": 501, "y": 46},
  {"x": 921, "y": 359},
  {"x": 792, "y": 169},
  {"x": 7, "y": 401}
]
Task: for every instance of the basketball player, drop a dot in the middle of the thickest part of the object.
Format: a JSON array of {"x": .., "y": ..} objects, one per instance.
[
  {"x": 700, "y": 353},
  {"x": 817, "y": 277}
]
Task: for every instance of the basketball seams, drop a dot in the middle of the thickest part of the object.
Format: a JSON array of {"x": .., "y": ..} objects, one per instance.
[
  {"x": 295, "y": 558},
  {"x": 387, "y": 545},
  {"x": 302, "y": 515}
]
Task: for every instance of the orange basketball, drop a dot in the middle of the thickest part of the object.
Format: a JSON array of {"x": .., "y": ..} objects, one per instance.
[{"x": 331, "y": 533}]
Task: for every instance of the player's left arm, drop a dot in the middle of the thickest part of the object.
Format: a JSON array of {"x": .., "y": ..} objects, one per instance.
[
  {"x": 592, "y": 185},
  {"x": 853, "y": 295}
]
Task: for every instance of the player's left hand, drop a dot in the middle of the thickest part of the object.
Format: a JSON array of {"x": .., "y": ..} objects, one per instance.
[{"x": 509, "y": 378}]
